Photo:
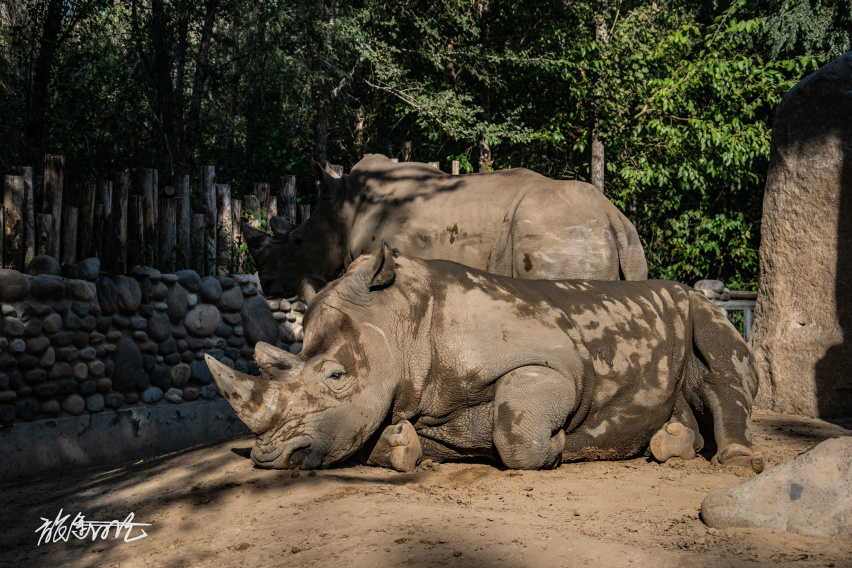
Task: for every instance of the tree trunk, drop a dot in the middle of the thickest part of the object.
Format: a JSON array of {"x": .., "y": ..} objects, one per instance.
[
  {"x": 26, "y": 173},
  {"x": 190, "y": 133},
  {"x": 597, "y": 161},
  {"x": 207, "y": 194},
  {"x": 38, "y": 96},
  {"x": 85, "y": 221},
  {"x": 120, "y": 192},
  {"x": 485, "y": 160},
  {"x": 54, "y": 182},
  {"x": 226, "y": 229},
  {"x": 69, "y": 235},
  {"x": 184, "y": 220},
  {"x": 287, "y": 197}
]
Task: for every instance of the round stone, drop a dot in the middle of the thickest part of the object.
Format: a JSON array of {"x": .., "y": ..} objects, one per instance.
[
  {"x": 159, "y": 291},
  {"x": 107, "y": 295},
  {"x": 114, "y": 335},
  {"x": 37, "y": 376},
  {"x": 226, "y": 282},
  {"x": 189, "y": 279},
  {"x": 180, "y": 374},
  {"x": 173, "y": 395},
  {"x": 74, "y": 405},
  {"x": 17, "y": 346},
  {"x": 72, "y": 321},
  {"x": 159, "y": 327},
  {"x": 131, "y": 397},
  {"x": 200, "y": 372},
  {"x": 13, "y": 285},
  {"x": 191, "y": 300},
  {"x": 128, "y": 294},
  {"x": 81, "y": 339},
  {"x": 224, "y": 330},
  {"x": 250, "y": 290},
  {"x": 13, "y": 327},
  {"x": 258, "y": 323},
  {"x": 46, "y": 390},
  {"x": 179, "y": 332},
  {"x": 161, "y": 376},
  {"x": 274, "y": 305},
  {"x": 151, "y": 395},
  {"x": 87, "y": 269},
  {"x": 88, "y": 387},
  {"x": 46, "y": 287},
  {"x": 190, "y": 394},
  {"x": 122, "y": 322},
  {"x": 88, "y": 353},
  {"x": 67, "y": 353},
  {"x": 295, "y": 348},
  {"x": 52, "y": 323},
  {"x": 231, "y": 300},
  {"x": 285, "y": 334},
  {"x": 171, "y": 359},
  {"x": 80, "y": 371},
  {"x": 67, "y": 386},
  {"x": 89, "y": 322},
  {"x": 59, "y": 371},
  {"x": 169, "y": 278},
  {"x": 104, "y": 384},
  {"x": 209, "y": 290},
  {"x": 50, "y": 407},
  {"x": 47, "y": 359},
  {"x": 232, "y": 319},
  {"x": 113, "y": 400},
  {"x": 80, "y": 290},
  {"x": 129, "y": 368},
  {"x": 140, "y": 336},
  {"x": 7, "y": 412},
  {"x": 44, "y": 264},
  {"x": 96, "y": 368},
  {"x": 202, "y": 320},
  {"x": 95, "y": 402},
  {"x": 209, "y": 392},
  {"x": 176, "y": 303},
  {"x": 138, "y": 322}
]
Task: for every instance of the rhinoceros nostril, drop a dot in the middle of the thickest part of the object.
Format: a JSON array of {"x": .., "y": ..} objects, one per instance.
[{"x": 299, "y": 454}]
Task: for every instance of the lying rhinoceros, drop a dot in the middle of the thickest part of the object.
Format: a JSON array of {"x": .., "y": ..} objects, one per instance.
[
  {"x": 511, "y": 222},
  {"x": 404, "y": 357}
]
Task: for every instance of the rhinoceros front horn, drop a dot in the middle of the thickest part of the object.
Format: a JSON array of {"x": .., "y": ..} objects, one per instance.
[{"x": 254, "y": 399}]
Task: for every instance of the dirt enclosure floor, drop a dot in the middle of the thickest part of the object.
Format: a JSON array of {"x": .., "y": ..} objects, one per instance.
[{"x": 211, "y": 507}]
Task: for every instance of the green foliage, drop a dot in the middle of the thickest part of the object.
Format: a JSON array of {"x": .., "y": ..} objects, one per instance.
[{"x": 681, "y": 94}]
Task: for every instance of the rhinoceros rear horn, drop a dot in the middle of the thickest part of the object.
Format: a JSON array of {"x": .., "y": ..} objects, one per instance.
[
  {"x": 269, "y": 357},
  {"x": 280, "y": 226},
  {"x": 254, "y": 399}
]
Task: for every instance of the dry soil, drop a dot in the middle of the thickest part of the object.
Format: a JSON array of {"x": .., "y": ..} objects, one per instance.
[{"x": 211, "y": 507}]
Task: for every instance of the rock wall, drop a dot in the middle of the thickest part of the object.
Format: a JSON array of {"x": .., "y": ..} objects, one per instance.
[
  {"x": 803, "y": 316},
  {"x": 90, "y": 342}
]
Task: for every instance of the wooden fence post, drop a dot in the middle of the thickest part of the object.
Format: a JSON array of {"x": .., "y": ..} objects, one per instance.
[
  {"x": 167, "y": 225},
  {"x": 207, "y": 193},
  {"x": 435, "y": 165},
  {"x": 455, "y": 167},
  {"x": 69, "y": 235},
  {"x": 136, "y": 229},
  {"x": 44, "y": 236},
  {"x": 252, "y": 204},
  {"x": 120, "y": 191},
  {"x": 226, "y": 229},
  {"x": 287, "y": 197},
  {"x": 54, "y": 182},
  {"x": 85, "y": 221},
  {"x": 198, "y": 238},
  {"x": 104, "y": 243},
  {"x": 184, "y": 221},
  {"x": 306, "y": 211},
  {"x": 26, "y": 172},
  {"x": 13, "y": 230}
]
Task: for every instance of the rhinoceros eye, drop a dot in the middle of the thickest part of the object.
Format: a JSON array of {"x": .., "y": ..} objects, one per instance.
[{"x": 335, "y": 375}]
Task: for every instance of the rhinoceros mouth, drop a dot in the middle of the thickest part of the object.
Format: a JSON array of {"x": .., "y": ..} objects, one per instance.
[{"x": 294, "y": 453}]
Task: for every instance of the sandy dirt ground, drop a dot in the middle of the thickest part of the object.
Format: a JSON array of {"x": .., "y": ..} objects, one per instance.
[{"x": 211, "y": 507}]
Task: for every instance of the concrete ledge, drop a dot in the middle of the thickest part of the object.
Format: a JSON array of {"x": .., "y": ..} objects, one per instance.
[{"x": 30, "y": 449}]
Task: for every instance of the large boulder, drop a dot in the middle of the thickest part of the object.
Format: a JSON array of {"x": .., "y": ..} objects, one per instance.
[
  {"x": 810, "y": 494},
  {"x": 803, "y": 317},
  {"x": 258, "y": 323}
]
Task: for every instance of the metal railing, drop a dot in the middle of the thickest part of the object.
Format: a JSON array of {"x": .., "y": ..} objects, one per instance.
[{"x": 740, "y": 302}]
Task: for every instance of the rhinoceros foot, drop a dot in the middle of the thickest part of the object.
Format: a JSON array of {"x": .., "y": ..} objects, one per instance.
[
  {"x": 398, "y": 448},
  {"x": 674, "y": 440},
  {"x": 742, "y": 456}
]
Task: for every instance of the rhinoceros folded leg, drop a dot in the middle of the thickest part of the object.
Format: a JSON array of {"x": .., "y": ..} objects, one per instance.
[
  {"x": 531, "y": 406},
  {"x": 674, "y": 440},
  {"x": 398, "y": 448}
]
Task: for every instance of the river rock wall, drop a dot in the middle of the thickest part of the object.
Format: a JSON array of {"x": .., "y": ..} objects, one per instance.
[{"x": 90, "y": 342}]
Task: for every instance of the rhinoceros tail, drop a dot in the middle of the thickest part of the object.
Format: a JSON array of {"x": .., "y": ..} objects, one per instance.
[{"x": 631, "y": 256}]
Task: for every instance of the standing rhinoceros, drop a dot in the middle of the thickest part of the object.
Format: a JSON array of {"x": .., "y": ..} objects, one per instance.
[
  {"x": 511, "y": 222},
  {"x": 403, "y": 355}
]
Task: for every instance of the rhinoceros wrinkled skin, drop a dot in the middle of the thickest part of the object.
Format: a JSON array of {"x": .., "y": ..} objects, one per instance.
[
  {"x": 511, "y": 222},
  {"x": 404, "y": 356}
]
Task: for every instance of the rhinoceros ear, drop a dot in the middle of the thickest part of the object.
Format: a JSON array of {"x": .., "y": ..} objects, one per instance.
[
  {"x": 254, "y": 399},
  {"x": 281, "y": 226},
  {"x": 309, "y": 286},
  {"x": 256, "y": 240},
  {"x": 376, "y": 271},
  {"x": 329, "y": 184}
]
